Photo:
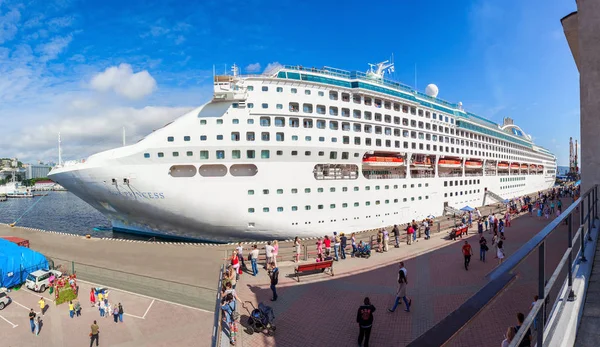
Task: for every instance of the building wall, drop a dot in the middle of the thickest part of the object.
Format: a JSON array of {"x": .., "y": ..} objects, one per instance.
[{"x": 37, "y": 171}]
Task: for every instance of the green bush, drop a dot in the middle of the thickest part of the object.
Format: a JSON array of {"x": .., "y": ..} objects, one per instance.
[{"x": 65, "y": 295}]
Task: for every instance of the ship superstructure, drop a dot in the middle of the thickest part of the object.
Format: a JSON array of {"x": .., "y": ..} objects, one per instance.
[{"x": 302, "y": 151}]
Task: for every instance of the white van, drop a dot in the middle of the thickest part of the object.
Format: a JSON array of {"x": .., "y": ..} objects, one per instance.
[{"x": 39, "y": 280}]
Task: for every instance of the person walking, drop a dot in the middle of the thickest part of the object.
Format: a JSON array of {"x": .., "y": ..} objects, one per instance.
[
  {"x": 467, "y": 252},
  {"x": 274, "y": 276},
  {"x": 380, "y": 241},
  {"x": 297, "y": 249},
  {"x": 409, "y": 234},
  {"x": 92, "y": 297},
  {"x": 115, "y": 313},
  {"x": 482, "y": 248},
  {"x": 526, "y": 341},
  {"x": 102, "y": 308},
  {"x": 427, "y": 226},
  {"x": 396, "y": 233},
  {"x": 486, "y": 223},
  {"x": 386, "y": 239},
  {"x": 43, "y": 306},
  {"x": 327, "y": 243},
  {"x": 353, "y": 240},
  {"x": 269, "y": 253},
  {"x": 508, "y": 337},
  {"x": 240, "y": 253},
  {"x": 71, "y": 309},
  {"x": 343, "y": 244},
  {"x": 364, "y": 318},
  {"x": 500, "y": 252},
  {"x": 336, "y": 246},
  {"x": 254, "y": 259},
  {"x": 94, "y": 334},
  {"x": 401, "y": 293},
  {"x": 77, "y": 308},
  {"x": 480, "y": 227},
  {"x": 121, "y": 312},
  {"x": 32, "y": 320}
]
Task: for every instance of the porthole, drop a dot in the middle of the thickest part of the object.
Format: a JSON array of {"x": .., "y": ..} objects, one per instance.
[
  {"x": 182, "y": 171},
  {"x": 212, "y": 170},
  {"x": 241, "y": 170}
]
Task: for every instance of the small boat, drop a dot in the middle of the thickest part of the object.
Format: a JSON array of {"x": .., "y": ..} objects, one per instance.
[
  {"x": 3, "y": 198},
  {"x": 541, "y": 167},
  {"x": 421, "y": 161},
  {"x": 532, "y": 166},
  {"x": 524, "y": 166},
  {"x": 503, "y": 166},
  {"x": 450, "y": 163},
  {"x": 514, "y": 166},
  {"x": 473, "y": 164},
  {"x": 383, "y": 161}
]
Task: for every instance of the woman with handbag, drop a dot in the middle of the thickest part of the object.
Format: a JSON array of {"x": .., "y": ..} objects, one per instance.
[{"x": 482, "y": 248}]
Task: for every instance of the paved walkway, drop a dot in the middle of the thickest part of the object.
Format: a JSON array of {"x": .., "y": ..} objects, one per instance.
[{"x": 321, "y": 310}]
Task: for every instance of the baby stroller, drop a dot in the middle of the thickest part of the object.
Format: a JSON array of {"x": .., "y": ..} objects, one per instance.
[
  {"x": 364, "y": 252},
  {"x": 261, "y": 319}
]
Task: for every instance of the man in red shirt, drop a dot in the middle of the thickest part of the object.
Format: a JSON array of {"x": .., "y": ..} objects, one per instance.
[
  {"x": 409, "y": 231},
  {"x": 467, "y": 252}
]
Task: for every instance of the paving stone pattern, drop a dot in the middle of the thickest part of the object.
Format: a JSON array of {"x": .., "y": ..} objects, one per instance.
[{"x": 321, "y": 310}]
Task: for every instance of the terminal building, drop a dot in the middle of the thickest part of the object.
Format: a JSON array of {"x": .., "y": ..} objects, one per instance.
[{"x": 37, "y": 171}]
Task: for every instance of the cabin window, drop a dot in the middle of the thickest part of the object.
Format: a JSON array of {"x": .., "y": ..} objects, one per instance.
[
  {"x": 170, "y": 139},
  {"x": 161, "y": 154},
  {"x": 294, "y": 107},
  {"x": 235, "y": 154},
  {"x": 250, "y": 136},
  {"x": 146, "y": 155},
  {"x": 321, "y": 109},
  {"x": 307, "y": 108},
  {"x": 220, "y": 154},
  {"x": 250, "y": 154},
  {"x": 294, "y": 90},
  {"x": 333, "y": 95},
  {"x": 265, "y": 136},
  {"x": 189, "y": 153},
  {"x": 203, "y": 154},
  {"x": 279, "y": 137},
  {"x": 265, "y": 154},
  {"x": 265, "y": 88}
]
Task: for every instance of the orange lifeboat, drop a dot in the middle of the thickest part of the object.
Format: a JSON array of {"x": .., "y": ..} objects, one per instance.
[
  {"x": 524, "y": 166},
  {"x": 514, "y": 166},
  {"x": 473, "y": 164},
  {"x": 449, "y": 163},
  {"x": 503, "y": 166},
  {"x": 383, "y": 161}
]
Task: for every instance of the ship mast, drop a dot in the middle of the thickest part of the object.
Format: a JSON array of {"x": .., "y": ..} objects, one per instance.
[{"x": 59, "y": 151}]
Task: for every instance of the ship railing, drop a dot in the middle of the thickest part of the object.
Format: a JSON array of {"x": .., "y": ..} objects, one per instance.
[
  {"x": 581, "y": 220},
  {"x": 217, "y": 333}
]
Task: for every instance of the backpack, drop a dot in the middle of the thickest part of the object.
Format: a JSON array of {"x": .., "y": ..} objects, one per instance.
[{"x": 365, "y": 314}]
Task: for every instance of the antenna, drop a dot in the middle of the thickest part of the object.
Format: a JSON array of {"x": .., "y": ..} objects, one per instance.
[
  {"x": 59, "y": 151},
  {"x": 123, "y": 136}
]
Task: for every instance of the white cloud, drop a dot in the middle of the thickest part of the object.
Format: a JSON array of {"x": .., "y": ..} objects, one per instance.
[
  {"x": 60, "y": 22},
  {"x": 124, "y": 82},
  {"x": 253, "y": 67},
  {"x": 8, "y": 25},
  {"x": 54, "y": 48},
  {"x": 271, "y": 67},
  {"x": 179, "y": 40}
]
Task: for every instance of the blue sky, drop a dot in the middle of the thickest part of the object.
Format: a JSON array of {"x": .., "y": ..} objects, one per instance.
[{"x": 89, "y": 68}]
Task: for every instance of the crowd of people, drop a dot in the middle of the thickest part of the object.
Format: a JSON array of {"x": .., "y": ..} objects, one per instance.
[{"x": 337, "y": 247}]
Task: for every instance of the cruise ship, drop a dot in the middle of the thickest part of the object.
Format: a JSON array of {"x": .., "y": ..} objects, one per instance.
[{"x": 300, "y": 151}]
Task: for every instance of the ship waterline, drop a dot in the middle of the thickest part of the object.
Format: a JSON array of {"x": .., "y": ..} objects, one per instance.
[{"x": 335, "y": 158}]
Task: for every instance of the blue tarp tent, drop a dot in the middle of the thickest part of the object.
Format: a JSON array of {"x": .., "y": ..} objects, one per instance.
[{"x": 17, "y": 262}]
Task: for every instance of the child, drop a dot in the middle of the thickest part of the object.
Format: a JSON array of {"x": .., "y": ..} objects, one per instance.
[{"x": 319, "y": 247}]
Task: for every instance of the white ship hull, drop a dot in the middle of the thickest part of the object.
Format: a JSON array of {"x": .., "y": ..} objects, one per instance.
[{"x": 143, "y": 188}]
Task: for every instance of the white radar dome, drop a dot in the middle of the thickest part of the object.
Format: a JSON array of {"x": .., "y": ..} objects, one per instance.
[{"x": 432, "y": 90}]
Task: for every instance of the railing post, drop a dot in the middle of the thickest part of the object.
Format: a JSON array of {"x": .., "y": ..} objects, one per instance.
[
  {"x": 589, "y": 217},
  {"x": 541, "y": 291},
  {"x": 305, "y": 252},
  {"x": 571, "y": 295},
  {"x": 582, "y": 237},
  {"x": 595, "y": 202}
]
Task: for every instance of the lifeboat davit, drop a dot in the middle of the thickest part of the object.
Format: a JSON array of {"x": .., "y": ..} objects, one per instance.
[
  {"x": 383, "y": 161},
  {"x": 503, "y": 166},
  {"x": 523, "y": 166},
  {"x": 473, "y": 164},
  {"x": 514, "y": 166},
  {"x": 449, "y": 163}
]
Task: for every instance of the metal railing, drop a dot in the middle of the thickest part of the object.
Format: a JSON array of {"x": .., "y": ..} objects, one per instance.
[
  {"x": 587, "y": 208},
  {"x": 159, "y": 288},
  {"x": 218, "y": 316}
]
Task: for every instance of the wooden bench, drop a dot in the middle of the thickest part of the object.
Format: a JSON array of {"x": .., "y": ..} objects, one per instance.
[
  {"x": 327, "y": 264},
  {"x": 456, "y": 232}
]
